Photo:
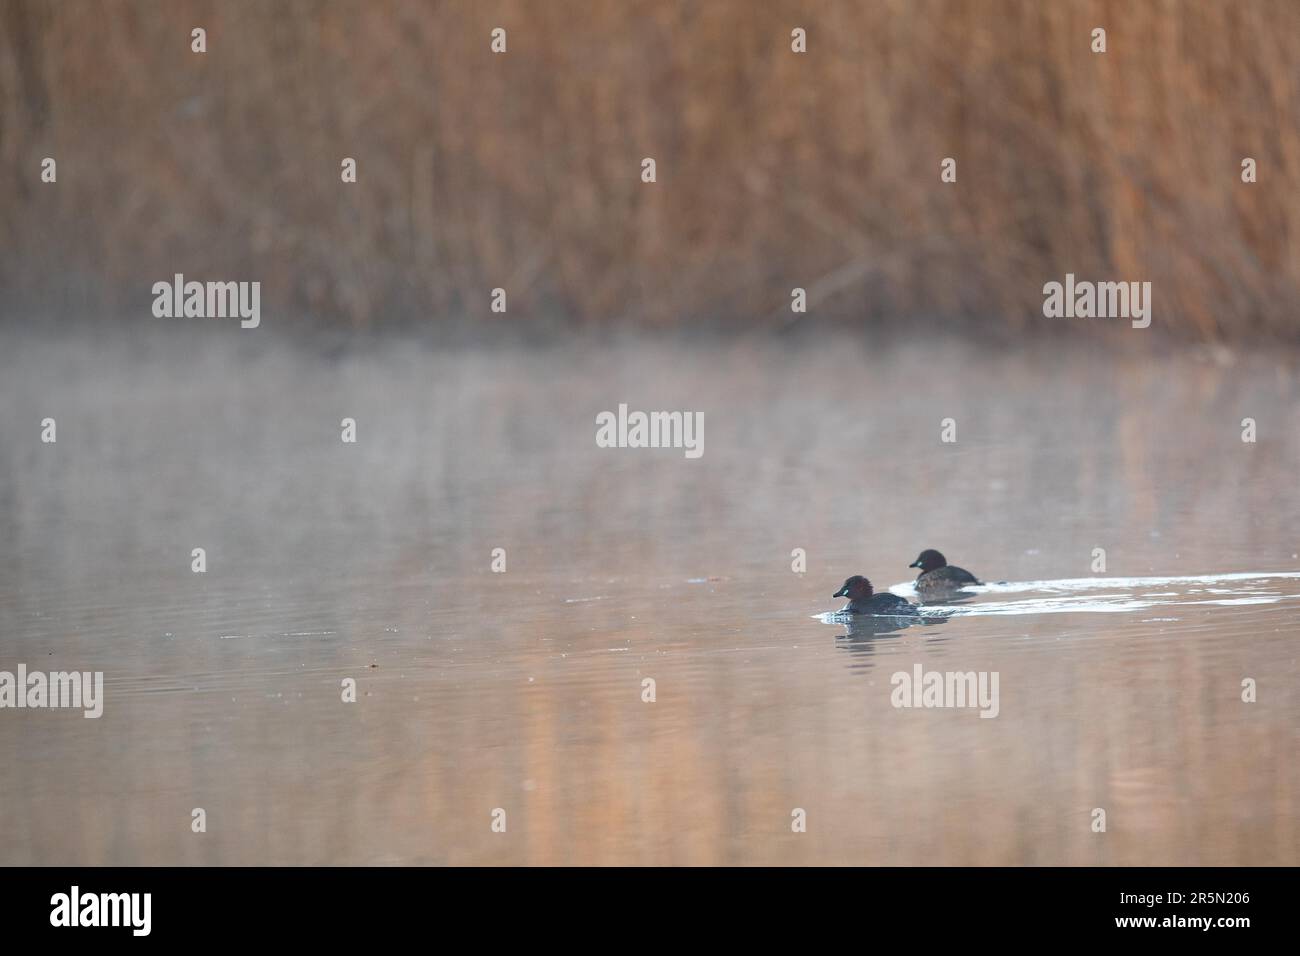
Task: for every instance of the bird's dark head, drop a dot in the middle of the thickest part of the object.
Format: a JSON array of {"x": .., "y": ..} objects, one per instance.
[
  {"x": 855, "y": 588},
  {"x": 928, "y": 560}
]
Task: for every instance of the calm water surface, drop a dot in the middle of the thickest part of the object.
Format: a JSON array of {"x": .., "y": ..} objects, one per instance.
[{"x": 523, "y": 690}]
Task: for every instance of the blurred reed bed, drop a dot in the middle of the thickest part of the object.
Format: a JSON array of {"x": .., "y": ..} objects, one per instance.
[{"x": 775, "y": 170}]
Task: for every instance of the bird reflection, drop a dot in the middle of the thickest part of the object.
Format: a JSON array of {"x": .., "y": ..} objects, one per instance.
[{"x": 864, "y": 632}]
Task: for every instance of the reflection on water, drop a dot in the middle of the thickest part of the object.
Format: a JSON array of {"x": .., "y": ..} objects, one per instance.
[
  {"x": 524, "y": 690},
  {"x": 862, "y": 633}
]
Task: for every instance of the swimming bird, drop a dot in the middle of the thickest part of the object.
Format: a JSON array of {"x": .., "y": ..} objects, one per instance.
[
  {"x": 862, "y": 601},
  {"x": 937, "y": 576}
]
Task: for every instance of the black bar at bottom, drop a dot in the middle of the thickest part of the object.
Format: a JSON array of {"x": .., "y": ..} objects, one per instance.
[{"x": 337, "y": 906}]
